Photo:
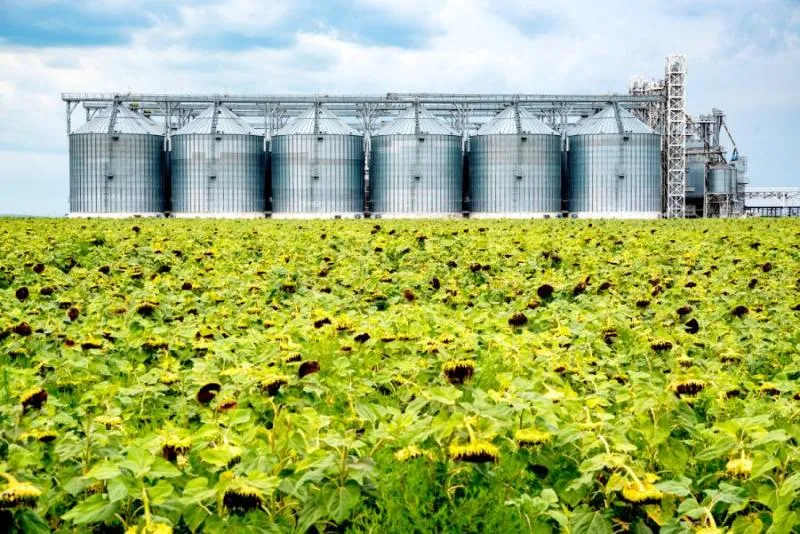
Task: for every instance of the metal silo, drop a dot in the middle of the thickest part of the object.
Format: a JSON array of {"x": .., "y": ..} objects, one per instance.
[
  {"x": 217, "y": 167},
  {"x": 416, "y": 167},
  {"x": 116, "y": 166},
  {"x": 615, "y": 167},
  {"x": 695, "y": 172},
  {"x": 515, "y": 167},
  {"x": 317, "y": 168},
  {"x": 722, "y": 180}
]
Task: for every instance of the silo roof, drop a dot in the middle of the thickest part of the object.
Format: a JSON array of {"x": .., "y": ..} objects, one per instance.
[
  {"x": 606, "y": 122},
  {"x": 327, "y": 124},
  {"x": 227, "y": 122},
  {"x": 406, "y": 124},
  {"x": 505, "y": 123},
  {"x": 126, "y": 122}
]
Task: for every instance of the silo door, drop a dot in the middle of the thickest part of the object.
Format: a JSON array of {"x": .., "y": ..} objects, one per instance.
[{"x": 314, "y": 193}]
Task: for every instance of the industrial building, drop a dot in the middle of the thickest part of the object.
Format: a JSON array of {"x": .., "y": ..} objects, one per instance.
[{"x": 634, "y": 155}]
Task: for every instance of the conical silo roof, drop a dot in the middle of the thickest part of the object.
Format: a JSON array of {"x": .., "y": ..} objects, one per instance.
[
  {"x": 227, "y": 122},
  {"x": 406, "y": 124},
  {"x": 125, "y": 122},
  {"x": 508, "y": 123},
  {"x": 326, "y": 123},
  {"x": 606, "y": 122}
]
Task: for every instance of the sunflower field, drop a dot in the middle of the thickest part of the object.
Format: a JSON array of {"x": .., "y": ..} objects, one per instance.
[{"x": 399, "y": 376}]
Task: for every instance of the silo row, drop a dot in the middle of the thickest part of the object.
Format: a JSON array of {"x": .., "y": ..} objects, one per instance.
[{"x": 515, "y": 165}]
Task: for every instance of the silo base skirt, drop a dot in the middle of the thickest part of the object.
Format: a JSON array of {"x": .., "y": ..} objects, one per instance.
[
  {"x": 515, "y": 215},
  {"x": 615, "y": 214},
  {"x": 458, "y": 215},
  {"x": 343, "y": 215},
  {"x": 246, "y": 215},
  {"x": 78, "y": 215}
]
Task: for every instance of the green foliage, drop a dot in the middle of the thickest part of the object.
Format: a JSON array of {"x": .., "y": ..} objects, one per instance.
[{"x": 213, "y": 376}]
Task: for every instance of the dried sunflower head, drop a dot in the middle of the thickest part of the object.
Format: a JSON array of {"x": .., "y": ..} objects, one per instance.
[
  {"x": 475, "y": 452},
  {"x": 271, "y": 384},
  {"x": 19, "y": 495},
  {"x": 458, "y": 371},
  {"x": 531, "y": 437},
  {"x": 33, "y": 398},
  {"x": 173, "y": 446},
  {"x": 242, "y": 498},
  {"x": 739, "y": 467},
  {"x": 42, "y": 436},
  {"x": 639, "y": 492},
  {"x": 688, "y": 387}
]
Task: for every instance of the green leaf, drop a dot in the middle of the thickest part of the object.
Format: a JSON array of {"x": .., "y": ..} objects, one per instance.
[
  {"x": 447, "y": 395},
  {"x": 219, "y": 457},
  {"x": 584, "y": 520},
  {"x": 194, "y": 516},
  {"x": 138, "y": 462},
  {"x": 104, "y": 471},
  {"x": 116, "y": 489},
  {"x": 163, "y": 469},
  {"x": 160, "y": 493},
  {"x": 680, "y": 488},
  {"x": 342, "y": 500},
  {"x": 95, "y": 509},
  {"x": 31, "y": 523}
]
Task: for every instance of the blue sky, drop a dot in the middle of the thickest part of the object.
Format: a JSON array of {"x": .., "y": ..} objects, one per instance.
[{"x": 744, "y": 58}]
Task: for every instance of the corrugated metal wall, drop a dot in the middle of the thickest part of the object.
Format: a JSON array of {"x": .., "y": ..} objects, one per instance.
[
  {"x": 321, "y": 174},
  {"x": 122, "y": 173},
  {"x": 611, "y": 175},
  {"x": 509, "y": 174},
  {"x": 722, "y": 180},
  {"x": 217, "y": 173},
  {"x": 695, "y": 177},
  {"x": 412, "y": 174}
]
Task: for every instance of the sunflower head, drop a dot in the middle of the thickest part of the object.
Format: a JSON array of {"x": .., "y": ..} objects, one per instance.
[
  {"x": 458, "y": 371},
  {"x": 688, "y": 387},
  {"x": 207, "y": 393},
  {"x": 770, "y": 389},
  {"x": 271, "y": 384},
  {"x": 154, "y": 528},
  {"x": 242, "y": 498},
  {"x": 739, "y": 467},
  {"x": 33, "y": 398},
  {"x": 175, "y": 446},
  {"x": 42, "y": 436},
  {"x": 641, "y": 492},
  {"x": 168, "y": 378},
  {"x": 19, "y": 495},
  {"x": 531, "y": 437},
  {"x": 108, "y": 421},
  {"x": 408, "y": 453},
  {"x": 477, "y": 452}
]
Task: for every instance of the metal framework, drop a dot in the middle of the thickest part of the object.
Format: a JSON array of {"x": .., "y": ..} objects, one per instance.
[{"x": 675, "y": 138}]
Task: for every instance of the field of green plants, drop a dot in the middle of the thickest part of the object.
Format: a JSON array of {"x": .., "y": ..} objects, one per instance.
[{"x": 397, "y": 376}]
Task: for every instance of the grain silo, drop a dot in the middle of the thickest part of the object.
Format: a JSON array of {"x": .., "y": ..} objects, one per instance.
[
  {"x": 615, "y": 167},
  {"x": 515, "y": 167},
  {"x": 317, "y": 168},
  {"x": 217, "y": 167},
  {"x": 722, "y": 179},
  {"x": 416, "y": 167},
  {"x": 116, "y": 166},
  {"x": 695, "y": 171}
]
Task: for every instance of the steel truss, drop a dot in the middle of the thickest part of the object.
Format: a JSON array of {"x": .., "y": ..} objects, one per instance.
[{"x": 676, "y": 136}]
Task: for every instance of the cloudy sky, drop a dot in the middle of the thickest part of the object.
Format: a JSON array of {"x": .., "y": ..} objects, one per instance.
[{"x": 744, "y": 58}]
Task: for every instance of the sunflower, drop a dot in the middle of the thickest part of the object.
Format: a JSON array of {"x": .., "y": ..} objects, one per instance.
[
  {"x": 42, "y": 436},
  {"x": 271, "y": 384},
  {"x": 458, "y": 371},
  {"x": 153, "y": 528},
  {"x": 33, "y": 398},
  {"x": 768, "y": 388},
  {"x": 168, "y": 378},
  {"x": 531, "y": 437},
  {"x": 207, "y": 393},
  {"x": 173, "y": 446},
  {"x": 477, "y": 452},
  {"x": 18, "y": 495},
  {"x": 408, "y": 453},
  {"x": 637, "y": 492},
  {"x": 108, "y": 421},
  {"x": 739, "y": 467},
  {"x": 242, "y": 498},
  {"x": 688, "y": 387}
]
